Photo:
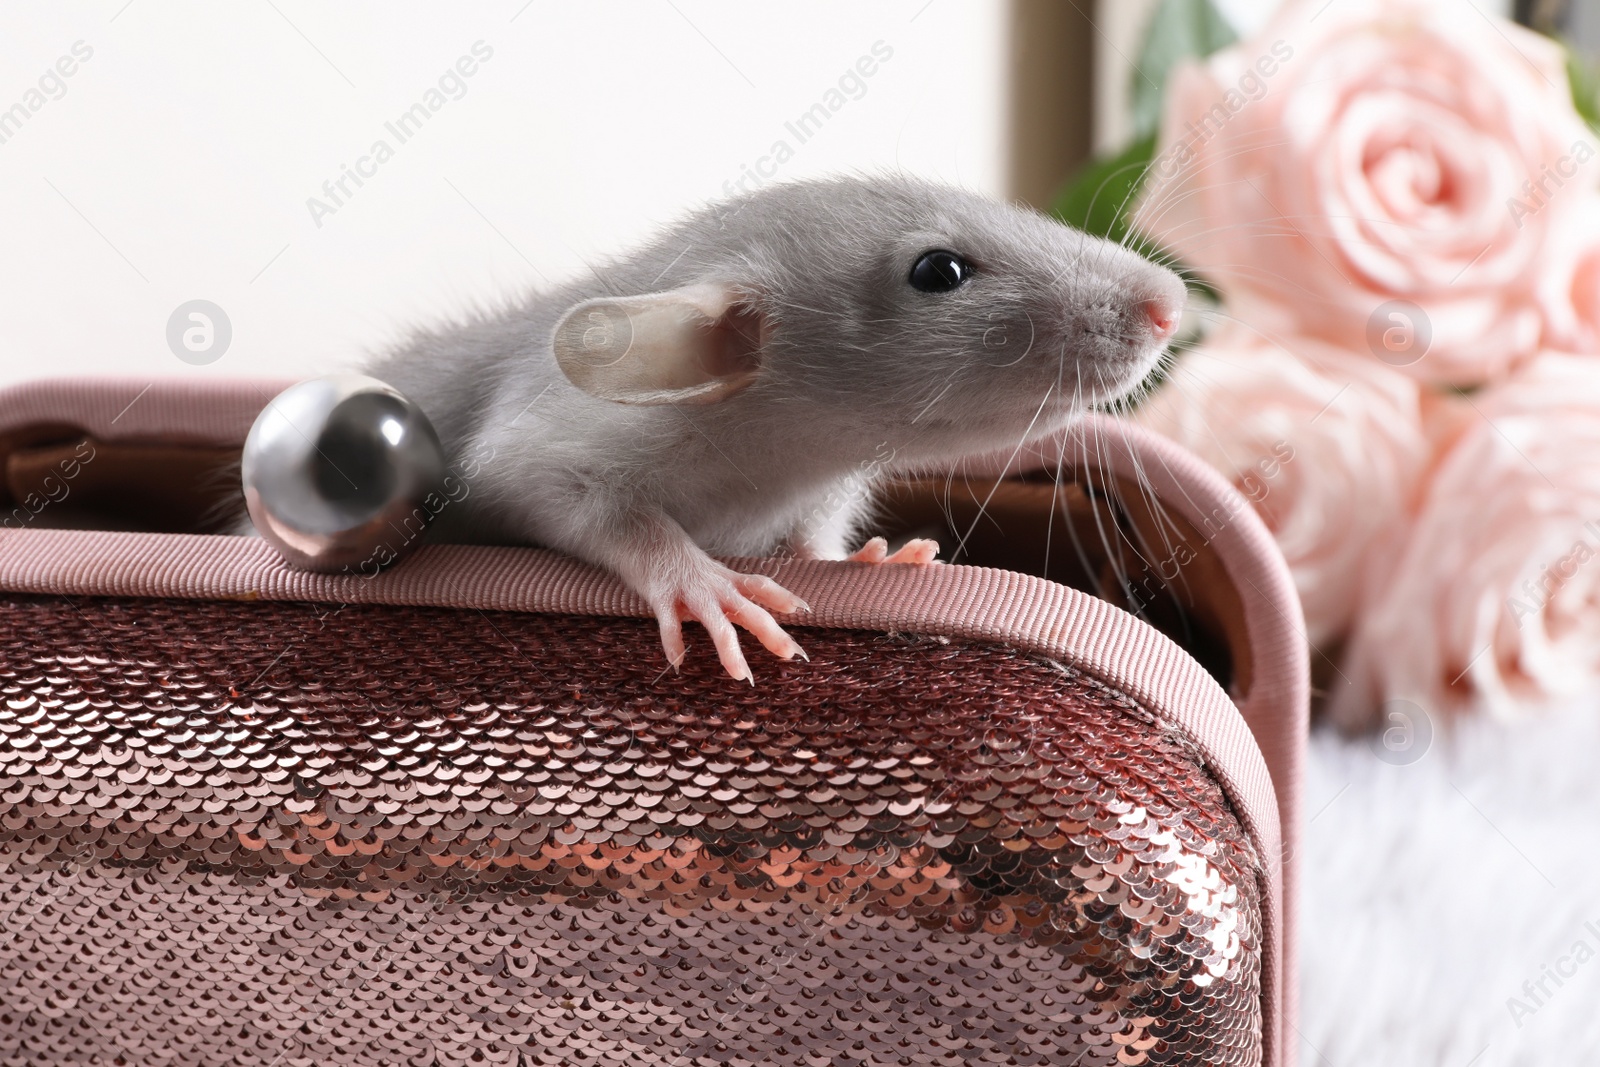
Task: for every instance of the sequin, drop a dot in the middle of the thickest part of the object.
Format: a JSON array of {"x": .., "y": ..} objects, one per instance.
[{"x": 274, "y": 833}]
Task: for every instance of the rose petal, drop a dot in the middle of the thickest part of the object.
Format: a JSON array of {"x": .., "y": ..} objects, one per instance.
[{"x": 1492, "y": 598}]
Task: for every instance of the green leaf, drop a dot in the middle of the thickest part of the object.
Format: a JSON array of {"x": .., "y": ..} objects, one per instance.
[
  {"x": 1179, "y": 30},
  {"x": 1099, "y": 199},
  {"x": 1584, "y": 77}
]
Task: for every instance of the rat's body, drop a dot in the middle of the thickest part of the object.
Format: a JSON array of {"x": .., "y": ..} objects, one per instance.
[{"x": 742, "y": 380}]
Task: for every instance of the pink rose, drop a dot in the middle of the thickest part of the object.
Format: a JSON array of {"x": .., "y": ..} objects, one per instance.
[
  {"x": 1570, "y": 283},
  {"x": 1364, "y": 152},
  {"x": 1329, "y": 448},
  {"x": 1493, "y": 598}
]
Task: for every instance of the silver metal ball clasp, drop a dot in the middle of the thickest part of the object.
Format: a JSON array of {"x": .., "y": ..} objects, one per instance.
[{"x": 339, "y": 472}]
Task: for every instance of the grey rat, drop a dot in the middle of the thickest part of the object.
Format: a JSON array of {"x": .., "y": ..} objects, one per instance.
[{"x": 737, "y": 386}]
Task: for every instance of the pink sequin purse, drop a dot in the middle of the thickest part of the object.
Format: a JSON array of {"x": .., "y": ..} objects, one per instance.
[{"x": 457, "y": 813}]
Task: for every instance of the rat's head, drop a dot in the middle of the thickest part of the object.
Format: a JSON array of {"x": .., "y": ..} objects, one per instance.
[{"x": 923, "y": 315}]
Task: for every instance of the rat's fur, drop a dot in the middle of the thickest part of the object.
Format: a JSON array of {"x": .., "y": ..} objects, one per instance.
[
  {"x": 858, "y": 373},
  {"x": 858, "y": 364}
]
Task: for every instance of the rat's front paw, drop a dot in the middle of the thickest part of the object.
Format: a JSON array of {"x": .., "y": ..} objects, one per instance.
[
  {"x": 717, "y": 598},
  {"x": 919, "y": 550}
]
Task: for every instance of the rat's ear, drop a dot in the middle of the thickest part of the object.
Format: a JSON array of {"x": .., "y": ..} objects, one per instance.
[{"x": 695, "y": 345}]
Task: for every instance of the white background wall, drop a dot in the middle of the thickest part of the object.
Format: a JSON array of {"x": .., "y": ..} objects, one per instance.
[{"x": 178, "y": 162}]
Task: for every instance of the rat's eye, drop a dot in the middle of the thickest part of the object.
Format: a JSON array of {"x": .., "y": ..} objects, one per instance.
[{"x": 939, "y": 271}]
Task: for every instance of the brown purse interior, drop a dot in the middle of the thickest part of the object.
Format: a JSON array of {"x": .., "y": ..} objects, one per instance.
[{"x": 1096, "y": 534}]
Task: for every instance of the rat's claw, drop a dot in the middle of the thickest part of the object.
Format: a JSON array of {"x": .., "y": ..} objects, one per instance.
[
  {"x": 719, "y": 599},
  {"x": 919, "y": 551},
  {"x": 874, "y": 551},
  {"x": 765, "y": 628},
  {"x": 769, "y": 594},
  {"x": 711, "y": 614},
  {"x": 671, "y": 632}
]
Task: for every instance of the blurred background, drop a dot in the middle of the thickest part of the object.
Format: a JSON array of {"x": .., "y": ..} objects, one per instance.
[{"x": 177, "y": 161}]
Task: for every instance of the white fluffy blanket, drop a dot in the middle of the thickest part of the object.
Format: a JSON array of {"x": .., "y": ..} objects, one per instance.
[{"x": 1451, "y": 912}]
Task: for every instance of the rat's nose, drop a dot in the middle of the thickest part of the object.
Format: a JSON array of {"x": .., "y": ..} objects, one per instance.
[{"x": 1164, "y": 314}]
